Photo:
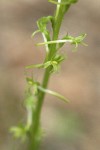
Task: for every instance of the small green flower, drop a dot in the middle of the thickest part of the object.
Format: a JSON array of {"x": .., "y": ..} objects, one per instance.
[{"x": 19, "y": 132}]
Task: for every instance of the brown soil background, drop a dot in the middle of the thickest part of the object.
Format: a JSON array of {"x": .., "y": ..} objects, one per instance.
[{"x": 78, "y": 80}]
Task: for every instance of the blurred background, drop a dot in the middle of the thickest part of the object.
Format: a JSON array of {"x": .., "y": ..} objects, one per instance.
[{"x": 73, "y": 126}]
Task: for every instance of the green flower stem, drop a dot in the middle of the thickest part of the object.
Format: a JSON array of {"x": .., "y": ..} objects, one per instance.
[
  {"x": 35, "y": 141},
  {"x": 57, "y": 24},
  {"x": 35, "y": 138}
]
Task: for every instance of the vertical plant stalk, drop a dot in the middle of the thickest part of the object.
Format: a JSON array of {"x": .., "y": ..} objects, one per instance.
[{"x": 35, "y": 142}]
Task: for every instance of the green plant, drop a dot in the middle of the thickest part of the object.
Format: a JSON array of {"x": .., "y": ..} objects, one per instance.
[{"x": 36, "y": 91}]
